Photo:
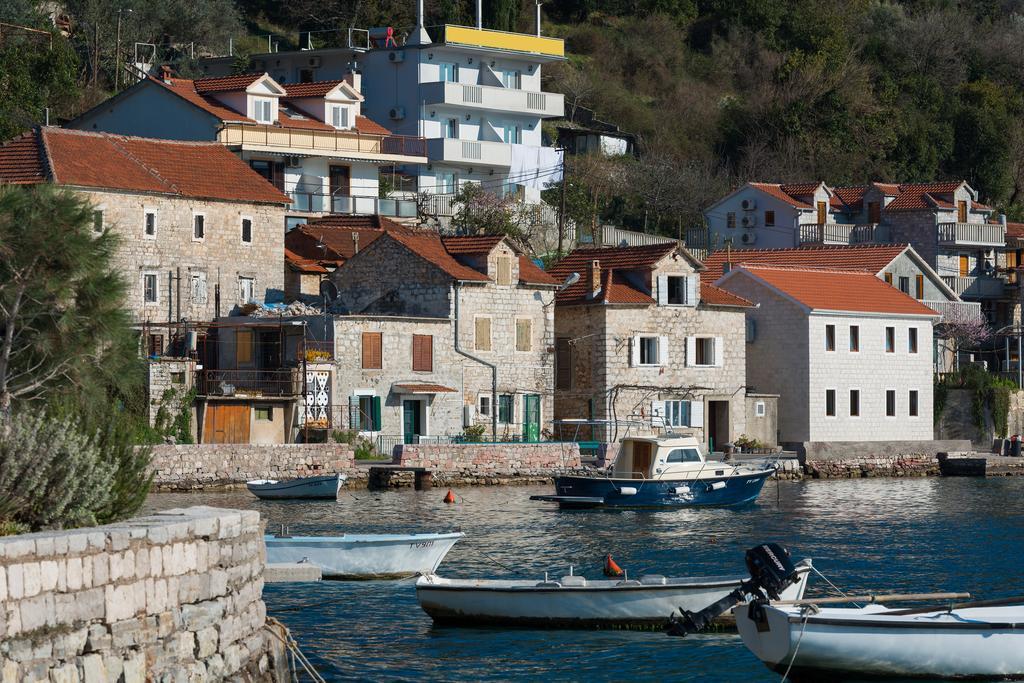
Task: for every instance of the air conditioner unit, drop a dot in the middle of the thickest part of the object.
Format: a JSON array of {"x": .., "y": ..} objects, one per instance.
[
  {"x": 314, "y": 62},
  {"x": 294, "y": 162},
  {"x": 748, "y": 204},
  {"x": 748, "y": 238},
  {"x": 748, "y": 221},
  {"x": 396, "y": 56},
  {"x": 396, "y": 113}
]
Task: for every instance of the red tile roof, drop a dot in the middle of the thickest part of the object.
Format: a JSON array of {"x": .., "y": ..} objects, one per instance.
[
  {"x": 370, "y": 127},
  {"x": 531, "y": 274},
  {"x": 428, "y": 246},
  {"x": 303, "y": 265},
  {"x": 915, "y": 196},
  {"x": 314, "y": 89},
  {"x": 837, "y": 290},
  {"x": 471, "y": 244},
  {"x": 867, "y": 257},
  {"x": 849, "y": 197},
  {"x": 800, "y": 189},
  {"x": 366, "y": 222},
  {"x": 203, "y": 170},
  {"x": 186, "y": 90},
  {"x": 612, "y": 258},
  {"x": 717, "y": 296},
  {"x": 775, "y": 190},
  {"x": 21, "y": 160},
  {"x": 328, "y": 244},
  {"x": 225, "y": 83},
  {"x": 1015, "y": 230}
]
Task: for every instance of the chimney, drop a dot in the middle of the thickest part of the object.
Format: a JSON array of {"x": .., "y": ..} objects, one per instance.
[
  {"x": 165, "y": 73},
  {"x": 419, "y": 34},
  {"x": 479, "y": 14},
  {"x": 355, "y": 242},
  {"x": 355, "y": 79},
  {"x": 594, "y": 277},
  {"x": 538, "y": 18},
  {"x": 1002, "y": 220}
]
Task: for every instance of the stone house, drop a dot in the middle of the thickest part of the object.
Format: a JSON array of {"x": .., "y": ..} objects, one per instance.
[
  {"x": 201, "y": 231},
  {"x": 849, "y": 356},
  {"x": 640, "y": 339}
]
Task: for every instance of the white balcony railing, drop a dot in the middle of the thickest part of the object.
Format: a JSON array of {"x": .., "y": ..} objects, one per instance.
[
  {"x": 841, "y": 233},
  {"x": 495, "y": 98},
  {"x": 956, "y": 310},
  {"x": 979, "y": 234},
  {"x": 316, "y": 142},
  {"x": 975, "y": 287},
  {"x": 472, "y": 152},
  {"x": 316, "y": 202}
]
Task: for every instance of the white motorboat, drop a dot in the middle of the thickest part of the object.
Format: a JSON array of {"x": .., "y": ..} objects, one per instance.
[
  {"x": 364, "y": 556},
  {"x": 576, "y": 602},
  {"x": 825, "y": 643},
  {"x": 322, "y": 487}
]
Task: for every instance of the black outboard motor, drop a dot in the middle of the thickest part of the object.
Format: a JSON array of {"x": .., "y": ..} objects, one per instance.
[{"x": 771, "y": 572}]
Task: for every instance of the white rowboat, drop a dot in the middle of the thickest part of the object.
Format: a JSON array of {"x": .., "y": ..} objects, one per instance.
[
  {"x": 576, "y": 602},
  {"x": 323, "y": 487},
  {"x": 364, "y": 556},
  {"x": 875, "y": 641}
]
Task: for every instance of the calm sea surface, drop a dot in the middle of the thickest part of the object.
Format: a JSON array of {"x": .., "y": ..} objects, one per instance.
[{"x": 886, "y": 534}]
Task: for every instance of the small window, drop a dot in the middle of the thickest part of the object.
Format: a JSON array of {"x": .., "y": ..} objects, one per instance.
[
  {"x": 890, "y": 340},
  {"x": 563, "y": 364},
  {"x": 769, "y": 218},
  {"x": 243, "y": 346},
  {"x": 730, "y": 219},
  {"x": 451, "y": 128},
  {"x": 854, "y": 402},
  {"x": 150, "y": 227},
  {"x": 888, "y": 278},
  {"x": 485, "y": 405},
  {"x": 264, "y": 413},
  {"x": 372, "y": 351},
  {"x": 369, "y": 417},
  {"x": 524, "y": 335},
  {"x": 246, "y": 289},
  {"x": 890, "y": 403},
  {"x": 422, "y": 353},
  {"x": 854, "y": 338},
  {"x": 156, "y": 344},
  {"x": 97, "y": 221},
  {"x": 648, "y": 350},
  {"x": 482, "y": 334},
  {"x": 677, "y": 413},
  {"x": 919, "y": 287},
  {"x": 705, "y": 351},
  {"x": 339, "y": 117},
  {"x": 905, "y": 284},
  {"x": 912, "y": 403},
  {"x": 912, "y": 340},
  {"x": 830, "y": 402},
  {"x": 246, "y": 231},
  {"x": 261, "y": 110},
  {"x": 830, "y": 337},
  {"x": 759, "y": 409},
  {"x": 683, "y": 455},
  {"x": 197, "y": 287},
  {"x": 198, "y": 226},
  {"x": 177, "y": 378},
  {"x": 506, "y": 408},
  {"x": 150, "y": 292},
  {"x": 676, "y": 294},
  {"x": 504, "y": 271}
]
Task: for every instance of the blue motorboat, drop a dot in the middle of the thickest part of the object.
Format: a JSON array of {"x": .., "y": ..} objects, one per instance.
[{"x": 661, "y": 472}]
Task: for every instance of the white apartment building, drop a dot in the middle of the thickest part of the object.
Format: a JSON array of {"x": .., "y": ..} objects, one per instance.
[
  {"x": 310, "y": 140},
  {"x": 849, "y": 355}
]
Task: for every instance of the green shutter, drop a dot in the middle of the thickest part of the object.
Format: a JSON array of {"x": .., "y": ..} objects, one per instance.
[{"x": 376, "y": 413}]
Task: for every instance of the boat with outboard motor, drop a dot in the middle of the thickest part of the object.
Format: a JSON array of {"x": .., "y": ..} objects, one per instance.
[
  {"x": 670, "y": 470},
  {"x": 323, "y": 487}
]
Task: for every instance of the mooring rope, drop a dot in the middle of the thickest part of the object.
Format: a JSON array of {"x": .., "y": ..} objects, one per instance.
[
  {"x": 293, "y": 649},
  {"x": 810, "y": 609},
  {"x": 832, "y": 585}
]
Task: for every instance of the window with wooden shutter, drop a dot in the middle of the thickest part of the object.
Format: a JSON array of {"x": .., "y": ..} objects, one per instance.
[
  {"x": 524, "y": 335},
  {"x": 919, "y": 288},
  {"x": 888, "y": 278},
  {"x": 482, "y": 334},
  {"x": 422, "y": 353},
  {"x": 243, "y": 346},
  {"x": 504, "y": 270},
  {"x": 563, "y": 364},
  {"x": 372, "y": 359},
  {"x": 961, "y": 211}
]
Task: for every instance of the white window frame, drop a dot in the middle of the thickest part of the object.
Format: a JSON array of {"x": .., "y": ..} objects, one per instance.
[
  {"x": 367, "y": 393},
  {"x": 340, "y": 117},
  {"x": 760, "y": 410},
  {"x": 636, "y": 350},
  {"x": 156, "y": 223},
  {"x": 895, "y": 403},
  {"x": 156, "y": 288},
  {"x": 448, "y": 130},
  {"x": 258, "y": 104},
  {"x": 835, "y": 403},
  {"x": 674, "y": 413},
  {"x": 481, "y": 411},
  {"x": 441, "y": 184},
  {"x": 690, "y": 293},
  {"x": 198, "y": 214},
  {"x": 241, "y": 230},
  {"x": 860, "y": 403},
  {"x": 252, "y": 296},
  {"x": 717, "y": 352}
]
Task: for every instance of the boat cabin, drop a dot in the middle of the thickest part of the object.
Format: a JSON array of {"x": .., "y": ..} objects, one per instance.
[{"x": 658, "y": 457}]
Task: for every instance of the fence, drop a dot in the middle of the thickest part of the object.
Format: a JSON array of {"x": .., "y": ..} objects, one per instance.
[{"x": 285, "y": 382}]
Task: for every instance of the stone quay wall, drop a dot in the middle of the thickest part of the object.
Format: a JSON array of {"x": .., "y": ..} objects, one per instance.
[
  {"x": 185, "y": 467},
  {"x": 176, "y": 596},
  {"x": 490, "y": 463}
]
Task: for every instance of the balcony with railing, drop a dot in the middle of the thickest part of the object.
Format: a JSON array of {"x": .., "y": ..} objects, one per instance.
[
  {"x": 470, "y": 152},
  {"x": 843, "y": 233},
  {"x": 321, "y": 202},
  {"x": 326, "y": 143},
  {"x": 972, "y": 234},
  {"x": 980, "y": 287},
  {"x": 283, "y": 382},
  {"x": 960, "y": 311},
  {"x": 494, "y": 98}
]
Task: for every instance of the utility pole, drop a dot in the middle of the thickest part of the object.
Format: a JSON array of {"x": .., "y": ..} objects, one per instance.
[
  {"x": 561, "y": 209},
  {"x": 95, "y": 54},
  {"x": 117, "y": 55}
]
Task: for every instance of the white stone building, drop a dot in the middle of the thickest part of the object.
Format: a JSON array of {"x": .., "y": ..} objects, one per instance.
[
  {"x": 849, "y": 356},
  {"x": 639, "y": 339},
  {"x": 310, "y": 140}
]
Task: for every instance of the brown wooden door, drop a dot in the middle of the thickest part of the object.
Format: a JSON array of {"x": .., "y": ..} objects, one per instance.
[
  {"x": 226, "y": 423},
  {"x": 965, "y": 265},
  {"x": 874, "y": 212},
  {"x": 822, "y": 212},
  {"x": 642, "y": 456},
  {"x": 961, "y": 211}
]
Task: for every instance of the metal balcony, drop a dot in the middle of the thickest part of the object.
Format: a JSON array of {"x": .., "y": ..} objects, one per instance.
[
  {"x": 325, "y": 143},
  {"x": 972, "y": 234},
  {"x": 981, "y": 287},
  {"x": 249, "y": 383}
]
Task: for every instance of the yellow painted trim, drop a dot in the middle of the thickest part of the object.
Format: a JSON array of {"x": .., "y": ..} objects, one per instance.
[{"x": 500, "y": 40}]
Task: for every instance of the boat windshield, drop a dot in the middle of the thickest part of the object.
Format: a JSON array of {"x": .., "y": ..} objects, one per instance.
[{"x": 683, "y": 455}]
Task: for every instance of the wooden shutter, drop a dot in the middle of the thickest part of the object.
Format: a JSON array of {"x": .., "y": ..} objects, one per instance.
[
  {"x": 919, "y": 289},
  {"x": 563, "y": 364},
  {"x": 965, "y": 265},
  {"x": 888, "y": 278},
  {"x": 422, "y": 353},
  {"x": 375, "y": 413},
  {"x": 243, "y": 346},
  {"x": 719, "y": 351},
  {"x": 524, "y": 335},
  {"x": 691, "y": 351},
  {"x": 961, "y": 211},
  {"x": 504, "y": 270},
  {"x": 697, "y": 414},
  {"x": 662, "y": 350},
  {"x": 662, "y": 293},
  {"x": 482, "y": 334},
  {"x": 634, "y": 351},
  {"x": 691, "y": 290},
  {"x": 372, "y": 358}
]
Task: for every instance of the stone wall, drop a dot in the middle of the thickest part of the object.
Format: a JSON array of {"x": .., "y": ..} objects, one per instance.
[
  {"x": 176, "y": 596},
  {"x": 919, "y": 465},
  {"x": 164, "y": 374},
  {"x": 188, "y": 466},
  {"x": 489, "y": 463},
  {"x": 850, "y": 450}
]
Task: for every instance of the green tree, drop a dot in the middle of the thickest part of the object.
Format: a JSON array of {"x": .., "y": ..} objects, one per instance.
[{"x": 38, "y": 71}]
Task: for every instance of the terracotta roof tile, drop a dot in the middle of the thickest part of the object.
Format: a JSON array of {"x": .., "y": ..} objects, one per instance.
[
  {"x": 303, "y": 265},
  {"x": 21, "y": 160},
  {"x": 850, "y": 197},
  {"x": 531, "y": 274},
  {"x": 800, "y": 189},
  {"x": 289, "y": 117},
  {"x": 612, "y": 258},
  {"x": 314, "y": 89},
  {"x": 328, "y": 244},
  {"x": 915, "y": 196},
  {"x": 428, "y": 246},
  {"x": 226, "y": 83},
  {"x": 204, "y": 170},
  {"x": 775, "y": 190},
  {"x": 1015, "y": 230},
  {"x": 365, "y": 125},
  {"x": 866, "y": 257},
  {"x": 837, "y": 290},
  {"x": 716, "y": 296},
  {"x": 616, "y": 289},
  {"x": 186, "y": 90},
  {"x": 365, "y": 222},
  {"x": 471, "y": 244}
]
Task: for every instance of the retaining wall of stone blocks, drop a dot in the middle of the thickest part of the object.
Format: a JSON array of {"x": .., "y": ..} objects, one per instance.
[
  {"x": 175, "y": 596},
  {"x": 185, "y": 467},
  {"x": 487, "y": 463}
]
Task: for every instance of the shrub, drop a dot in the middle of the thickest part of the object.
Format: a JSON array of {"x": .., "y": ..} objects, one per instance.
[
  {"x": 474, "y": 433},
  {"x": 365, "y": 449},
  {"x": 348, "y": 436}
]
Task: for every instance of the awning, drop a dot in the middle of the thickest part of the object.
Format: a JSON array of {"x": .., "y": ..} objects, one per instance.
[
  {"x": 421, "y": 389},
  {"x": 332, "y": 157}
]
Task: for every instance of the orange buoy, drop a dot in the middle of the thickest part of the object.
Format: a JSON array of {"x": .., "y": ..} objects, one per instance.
[
  {"x": 610, "y": 568},
  {"x": 449, "y": 497}
]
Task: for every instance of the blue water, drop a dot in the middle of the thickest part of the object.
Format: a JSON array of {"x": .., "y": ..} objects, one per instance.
[{"x": 909, "y": 535}]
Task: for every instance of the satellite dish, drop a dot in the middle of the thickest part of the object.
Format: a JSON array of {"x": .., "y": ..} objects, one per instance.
[{"x": 328, "y": 290}]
